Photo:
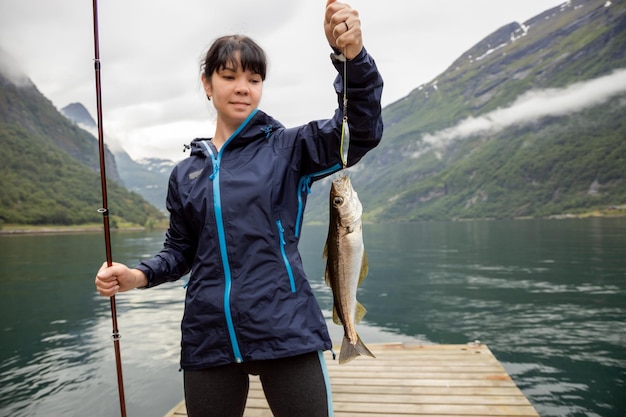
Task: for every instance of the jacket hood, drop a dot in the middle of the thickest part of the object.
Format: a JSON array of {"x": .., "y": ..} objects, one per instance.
[{"x": 258, "y": 126}]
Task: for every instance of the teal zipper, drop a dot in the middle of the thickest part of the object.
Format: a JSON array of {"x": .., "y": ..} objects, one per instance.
[
  {"x": 281, "y": 233},
  {"x": 304, "y": 187},
  {"x": 221, "y": 233}
]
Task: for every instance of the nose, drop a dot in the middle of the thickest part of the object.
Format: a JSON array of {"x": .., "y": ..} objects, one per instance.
[{"x": 242, "y": 87}]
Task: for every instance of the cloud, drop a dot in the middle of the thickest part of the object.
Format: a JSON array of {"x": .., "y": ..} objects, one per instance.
[
  {"x": 150, "y": 53},
  {"x": 10, "y": 69},
  {"x": 534, "y": 105}
]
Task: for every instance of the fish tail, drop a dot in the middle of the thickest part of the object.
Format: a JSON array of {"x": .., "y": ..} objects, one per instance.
[{"x": 350, "y": 351}]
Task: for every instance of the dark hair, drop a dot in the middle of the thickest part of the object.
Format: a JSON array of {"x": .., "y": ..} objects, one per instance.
[{"x": 222, "y": 53}]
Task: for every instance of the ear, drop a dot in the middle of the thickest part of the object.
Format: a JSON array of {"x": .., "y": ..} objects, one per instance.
[{"x": 206, "y": 83}]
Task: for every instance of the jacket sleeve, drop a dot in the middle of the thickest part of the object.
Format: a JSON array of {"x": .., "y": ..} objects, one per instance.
[
  {"x": 174, "y": 260},
  {"x": 321, "y": 139}
]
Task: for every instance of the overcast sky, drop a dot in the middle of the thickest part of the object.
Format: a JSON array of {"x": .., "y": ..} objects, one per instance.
[{"x": 150, "y": 52}]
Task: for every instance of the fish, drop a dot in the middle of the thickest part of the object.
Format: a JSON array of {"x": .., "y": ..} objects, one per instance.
[{"x": 346, "y": 265}]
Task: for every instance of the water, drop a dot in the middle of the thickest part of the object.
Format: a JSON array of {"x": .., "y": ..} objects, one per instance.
[{"x": 547, "y": 297}]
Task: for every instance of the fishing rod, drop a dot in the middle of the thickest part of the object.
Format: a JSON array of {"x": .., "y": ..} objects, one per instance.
[{"x": 105, "y": 210}]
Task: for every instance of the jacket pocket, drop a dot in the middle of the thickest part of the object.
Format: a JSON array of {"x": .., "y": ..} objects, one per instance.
[{"x": 283, "y": 251}]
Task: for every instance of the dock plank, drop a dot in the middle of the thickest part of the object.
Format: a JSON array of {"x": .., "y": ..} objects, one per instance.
[{"x": 413, "y": 380}]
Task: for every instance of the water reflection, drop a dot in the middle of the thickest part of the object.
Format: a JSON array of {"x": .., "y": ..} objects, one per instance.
[
  {"x": 546, "y": 297},
  {"x": 535, "y": 292}
]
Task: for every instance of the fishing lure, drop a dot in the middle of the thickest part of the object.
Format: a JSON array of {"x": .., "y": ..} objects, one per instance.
[{"x": 345, "y": 130}]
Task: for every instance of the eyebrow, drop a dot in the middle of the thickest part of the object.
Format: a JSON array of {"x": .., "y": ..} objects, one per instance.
[{"x": 225, "y": 68}]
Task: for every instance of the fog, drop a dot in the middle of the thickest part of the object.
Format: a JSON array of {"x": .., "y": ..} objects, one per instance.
[{"x": 534, "y": 105}]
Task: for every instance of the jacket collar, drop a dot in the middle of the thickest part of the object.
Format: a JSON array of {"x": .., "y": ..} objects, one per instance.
[{"x": 258, "y": 127}]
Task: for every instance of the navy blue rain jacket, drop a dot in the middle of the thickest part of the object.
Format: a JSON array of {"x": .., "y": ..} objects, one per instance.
[{"x": 235, "y": 220}]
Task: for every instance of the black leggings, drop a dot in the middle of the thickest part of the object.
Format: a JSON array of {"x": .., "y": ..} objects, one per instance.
[{"x": 295, "y": 386}]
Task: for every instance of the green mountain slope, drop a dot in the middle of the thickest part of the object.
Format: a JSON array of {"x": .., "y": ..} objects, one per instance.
[
  {"x": 49, "y": 168},
  {"x": 515, "y": 127},
  {"x": 147, "y": 177}
]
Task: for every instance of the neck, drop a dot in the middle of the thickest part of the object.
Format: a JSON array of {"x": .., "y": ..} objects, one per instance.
[{"x": 222, "y": 133}]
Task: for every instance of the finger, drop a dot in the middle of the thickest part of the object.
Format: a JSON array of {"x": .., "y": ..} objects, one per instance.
[
  {"x": 107, "y": 288},
  {"x": 347, "y": 33},
  {"x": 108, "y": 272},
  {"x": 107, "y": 293},
  {"x": 105, "y": 274},
  {"x": 332, "y": 8},
  {"x": 341, "y": 29},
  {"x": 337, "y": 18},
  {"x": 106, "y": 284}
]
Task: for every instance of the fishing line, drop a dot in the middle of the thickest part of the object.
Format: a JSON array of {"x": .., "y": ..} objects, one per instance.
[
  {"x": 105, "y": 210},
  {"x": 345, "y": 130}
]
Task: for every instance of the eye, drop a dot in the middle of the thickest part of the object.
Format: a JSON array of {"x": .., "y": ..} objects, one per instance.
[
  {"x": 226, "y": 73},
  {"x": 338, "y": 201}
]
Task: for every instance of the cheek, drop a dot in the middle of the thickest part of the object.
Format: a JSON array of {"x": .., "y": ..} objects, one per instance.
[{"x": 258, "y": 92}]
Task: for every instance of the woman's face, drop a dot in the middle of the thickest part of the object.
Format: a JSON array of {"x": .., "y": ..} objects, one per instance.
[{"x": 235, "y": 93}]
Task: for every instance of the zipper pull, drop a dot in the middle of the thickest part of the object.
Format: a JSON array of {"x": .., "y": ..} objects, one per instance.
[{"x": 216, "y": 170}]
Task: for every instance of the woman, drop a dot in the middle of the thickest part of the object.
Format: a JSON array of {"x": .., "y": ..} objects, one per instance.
[{"x": 236, "y": 208}]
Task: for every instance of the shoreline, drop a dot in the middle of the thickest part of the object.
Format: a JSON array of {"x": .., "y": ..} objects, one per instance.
[
  {"x": 14, "y": 229},
  {"x": 37, "y": 230}
]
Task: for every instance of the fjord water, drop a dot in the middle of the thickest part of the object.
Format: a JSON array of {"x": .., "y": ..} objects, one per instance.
[{"x": 547, "y": 296}]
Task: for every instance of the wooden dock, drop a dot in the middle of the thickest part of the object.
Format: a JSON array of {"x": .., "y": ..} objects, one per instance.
[{"x": 413, "y": 380}]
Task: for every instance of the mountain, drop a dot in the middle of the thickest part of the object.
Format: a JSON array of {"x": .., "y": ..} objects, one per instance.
[
  {"x": 23, "y": 105},
  {"x": 148, "y": 177},
  {"x": 529, "y": 122},
  {"x": 526, "y": 123},
  {"x": 49, "y": 167},
  {"x": 77, "y": 113}
]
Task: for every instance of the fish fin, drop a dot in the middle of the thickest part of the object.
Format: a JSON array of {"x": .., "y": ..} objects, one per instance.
[
  {"x": 360, "y": 312},
  {"x": 336, "y": 318},
  {"x": 350, "y": 351},
  {"x": 364, "y": 267},
  {"x": 327, "y": 277},
  {"x": 326, "y": 271}
]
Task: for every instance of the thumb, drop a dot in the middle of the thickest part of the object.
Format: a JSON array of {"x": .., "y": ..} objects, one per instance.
[{"x": 329, "y": 2}]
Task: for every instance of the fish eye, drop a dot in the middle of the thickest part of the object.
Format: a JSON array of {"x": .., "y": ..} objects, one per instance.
[{"x": 338, "y": 200}]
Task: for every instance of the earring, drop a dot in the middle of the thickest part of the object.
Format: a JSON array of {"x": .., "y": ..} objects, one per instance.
[{"x": 209, "y": 97}]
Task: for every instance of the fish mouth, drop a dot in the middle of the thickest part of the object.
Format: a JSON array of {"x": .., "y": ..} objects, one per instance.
[{"x": 341, "y": 185}]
